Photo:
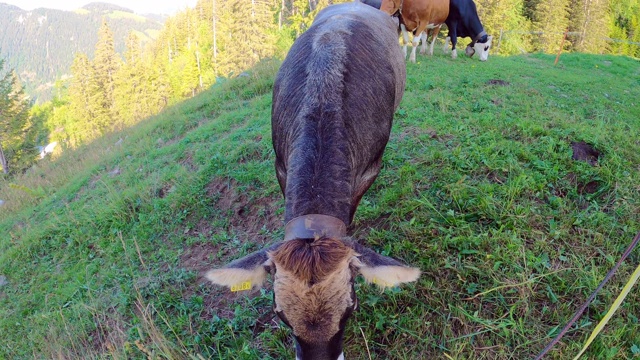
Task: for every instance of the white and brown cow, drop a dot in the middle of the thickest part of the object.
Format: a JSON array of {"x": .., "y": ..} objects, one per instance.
[
  {"x": 333, "y": 104},
  {"x": 419, "y": 16}
]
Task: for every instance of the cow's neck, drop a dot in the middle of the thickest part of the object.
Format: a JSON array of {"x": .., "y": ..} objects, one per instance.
[
  {"x": 314, "y": 226},
  {"x": 319, "y": 170},
  {"x": 475, "y": 29}
]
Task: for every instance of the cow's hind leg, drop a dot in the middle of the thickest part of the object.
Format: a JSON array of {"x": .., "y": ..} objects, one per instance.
[
  {"x": 417, "y": 34},
  {"x": 415, "y": 43},
  {"x": 405, "y": 37},
  {"x": 434, "y": 36},
  {"x": 425, "y": 36},
  {"x": 445, "y": 49}
]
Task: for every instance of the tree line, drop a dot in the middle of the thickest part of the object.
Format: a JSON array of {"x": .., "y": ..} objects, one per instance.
[{"x": 222, "y": 38}]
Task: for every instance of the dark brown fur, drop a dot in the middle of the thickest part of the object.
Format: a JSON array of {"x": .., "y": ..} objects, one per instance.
[{"x": 311, "y": 261}]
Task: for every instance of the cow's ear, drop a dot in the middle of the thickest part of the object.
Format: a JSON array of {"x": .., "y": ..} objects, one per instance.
[
  {"x": 382, "y": 270},
  {"x": 245, "y": 273}
]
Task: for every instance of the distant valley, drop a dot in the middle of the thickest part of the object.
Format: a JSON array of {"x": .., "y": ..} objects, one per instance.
[{"x": 40, "y": 44}]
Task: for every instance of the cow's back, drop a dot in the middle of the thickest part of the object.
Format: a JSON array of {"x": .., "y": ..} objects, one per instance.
[
  {"x": 415, "y": 13},
  {"x": 333, "y": 104},
  {"x": 463, "y": 14}
]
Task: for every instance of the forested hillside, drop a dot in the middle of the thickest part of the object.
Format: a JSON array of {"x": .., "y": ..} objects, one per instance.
[{"x": 40, "y": 44}]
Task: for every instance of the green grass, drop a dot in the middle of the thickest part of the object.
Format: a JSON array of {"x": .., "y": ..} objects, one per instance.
[{"x": 104, "y": 247}]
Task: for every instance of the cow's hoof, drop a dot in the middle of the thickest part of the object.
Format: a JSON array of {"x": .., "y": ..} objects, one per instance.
[{"x": 454, "y": 54}]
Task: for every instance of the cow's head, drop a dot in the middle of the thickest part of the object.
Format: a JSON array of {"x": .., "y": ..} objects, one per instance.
[
  {"x": 481, "y": 48},
  {"x": 313, "y": 286}
]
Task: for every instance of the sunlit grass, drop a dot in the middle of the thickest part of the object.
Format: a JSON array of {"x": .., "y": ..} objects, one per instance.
[{"x": 103, "y": 247}]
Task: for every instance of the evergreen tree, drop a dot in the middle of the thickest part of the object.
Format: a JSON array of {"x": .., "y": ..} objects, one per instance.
[
  {"x": 499, "y": 15},
  {"x": 82, "y": 125},
  {"x": 589, "y": 20},
  {"x": 551, "y": 18},
  {"x": 17, "y": 144},
  {"x": 129, "y": 96},
  {"x": 105, "y": 65},
  {"x": 239, "y": 49}
]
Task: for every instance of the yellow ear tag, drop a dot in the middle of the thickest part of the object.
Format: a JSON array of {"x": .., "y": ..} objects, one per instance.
[
  {"x": 241, "y": 287},
  {"x": 381, "y": 283}
]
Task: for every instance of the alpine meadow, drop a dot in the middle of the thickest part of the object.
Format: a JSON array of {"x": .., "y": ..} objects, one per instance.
[{"x": 512, "y": 184}]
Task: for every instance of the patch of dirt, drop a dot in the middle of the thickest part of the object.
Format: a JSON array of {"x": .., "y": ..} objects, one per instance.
[
  {"x": 458, "y": 327},
  {"x": 583, "y": 151},
  {"x": 440, "y": 137},
  {"x": 187, "y": 162},
  {"x": 409, "y": 131},
  {"x": 109, "y": 334},
  {"x": 166, "y": 189},
  {"x": 219, "y": 301},
  {"x": 203, "y": 227},
  {"x": 498, "y": 82},
  {"x": 589, "y": 188},
  {"x": 249, "y": 217},
  {"x": 263, "y": 321},
  {"x": 197, "y": 258},
  {"x": 496, "y": 177}
]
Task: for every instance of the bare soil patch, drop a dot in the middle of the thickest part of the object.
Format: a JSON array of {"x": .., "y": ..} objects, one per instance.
[
  {"x": 251, "y": 218},
  {"x": 498, "y": 82},
  {"x": 583, "y": 151},
  {"x": 187, "y": 162},
  {"x": 109, "y": 334}
]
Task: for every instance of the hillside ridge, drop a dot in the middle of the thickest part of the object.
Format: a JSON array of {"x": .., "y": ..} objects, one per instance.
[{"x": 40, "y": 44}]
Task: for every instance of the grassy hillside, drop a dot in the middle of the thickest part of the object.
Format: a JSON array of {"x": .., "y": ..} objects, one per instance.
[{"x": 104, "y": 248}]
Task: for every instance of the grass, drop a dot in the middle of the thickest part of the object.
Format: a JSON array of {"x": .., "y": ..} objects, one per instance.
[{"x": 104, "y": 247}]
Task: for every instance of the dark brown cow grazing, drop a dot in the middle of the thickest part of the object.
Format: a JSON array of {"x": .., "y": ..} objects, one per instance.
[{"x": 333, "y": 103}]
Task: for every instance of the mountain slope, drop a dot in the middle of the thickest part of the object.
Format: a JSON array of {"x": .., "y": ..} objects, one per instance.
[
  {"x": 40, "y": 44},
  {"x": 103, "y": 248}
]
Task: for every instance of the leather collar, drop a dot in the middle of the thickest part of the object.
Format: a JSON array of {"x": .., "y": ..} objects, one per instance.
[
  {"x": 482, "y": 33},
  {"x": 314, "y": 226}
]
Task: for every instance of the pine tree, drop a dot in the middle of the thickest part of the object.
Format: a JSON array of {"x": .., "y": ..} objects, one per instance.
[
  {"x": 499, "y": 15},
  {"x": 82, "y": 124},
  {"x": 128, "y": 95},
  {"x": 105, "y": 65},
  {"x": 239, "y": 49},
  {"x": 551, "y": 19},
  {"x": 17, "y": 147},
  {"x": 589, "y": 19}
]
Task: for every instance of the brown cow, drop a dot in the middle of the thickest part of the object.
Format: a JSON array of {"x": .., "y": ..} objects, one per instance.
[
  {"x": 418, "y": 16},
  {"x": 460, "y": 16},
  {"x": 333, "y": 104}
]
